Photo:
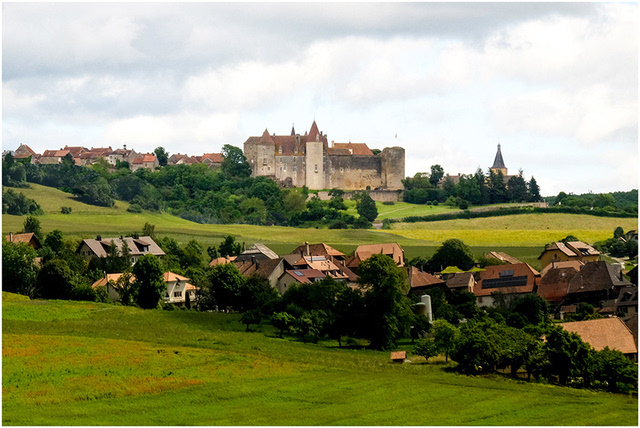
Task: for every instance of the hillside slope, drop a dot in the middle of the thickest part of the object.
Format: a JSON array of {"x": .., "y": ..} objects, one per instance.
[{"x": 78, "y": 363}]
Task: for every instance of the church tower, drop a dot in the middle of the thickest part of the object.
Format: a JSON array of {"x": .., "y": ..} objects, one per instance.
[{"x": 498, "y": 164}]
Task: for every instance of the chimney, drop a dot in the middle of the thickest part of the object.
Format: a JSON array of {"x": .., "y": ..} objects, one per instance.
[
  {"x": 253, "y": 260},
  {"x": 10, "y": 236},
  {"x": 307, "y": 245},
  {"x": 98, "y": 238}
]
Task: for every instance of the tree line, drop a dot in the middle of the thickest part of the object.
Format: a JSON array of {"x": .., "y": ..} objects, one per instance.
[{"x": 475, "y": 189}]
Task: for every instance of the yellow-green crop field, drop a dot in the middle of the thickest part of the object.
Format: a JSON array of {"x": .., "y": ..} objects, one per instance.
[{"x": 79, "y": 363}]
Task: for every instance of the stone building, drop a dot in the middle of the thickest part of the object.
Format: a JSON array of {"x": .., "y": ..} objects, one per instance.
[{"x": 300, "y": 160}]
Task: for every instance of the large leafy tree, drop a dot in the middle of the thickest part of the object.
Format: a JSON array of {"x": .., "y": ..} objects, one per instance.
[
  {"x": 18, "y": 268},
  {"x": 437, "y": 172},
  {"x": 445, "y": 336},
  {"x": 452, "y": 252},
  {"x": 235, "y": 163},
  {"x": 32, "y": 225},
  {"x": 225, "y": 283},
  {"x": 149, "y": 283},
  {"x": 55, "y": 280},
  {"x": 387, "y": 313},
  {"x": 517, "y": 188},
  {"x": 162, "y": 156}
]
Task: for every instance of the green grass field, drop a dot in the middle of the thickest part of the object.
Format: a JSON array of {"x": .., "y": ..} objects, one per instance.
[
  {"x": 522, "y": 236},
  {"x": 79, "y": 363}
]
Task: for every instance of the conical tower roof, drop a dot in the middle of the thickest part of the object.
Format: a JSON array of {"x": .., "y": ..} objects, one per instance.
[
  {"x": 266, "y": 138},
  {"x": 313, "y": 131},
  {"x": 498, "y": 162}
]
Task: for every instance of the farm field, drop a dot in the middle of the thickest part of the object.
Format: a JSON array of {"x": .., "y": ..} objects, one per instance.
[{"x": 79, "y": 363}]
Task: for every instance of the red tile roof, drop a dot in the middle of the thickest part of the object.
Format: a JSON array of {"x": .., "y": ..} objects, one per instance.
[
  {"x": 553, "y": 286},
  {"x": 54, "y": 153},
  {"x": 213, "y": 157},
  {"x": 353, "y": 148},
  {"x": 507, "y": 279},
  {"x": 419, "y": 279}
]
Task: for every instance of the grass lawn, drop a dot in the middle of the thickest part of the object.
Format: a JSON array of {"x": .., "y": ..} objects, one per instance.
[{"x": 80, "y": 363}]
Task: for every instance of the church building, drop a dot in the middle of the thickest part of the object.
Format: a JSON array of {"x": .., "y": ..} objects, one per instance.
[{"x": 308, "y": 160}]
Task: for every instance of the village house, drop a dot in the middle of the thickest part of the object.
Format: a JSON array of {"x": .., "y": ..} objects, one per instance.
[
  {"x": 596, "y": 282},
  {"x": 24, "y": 152},
  {"x": 605, "y": 332},
  {"x": 627, "y": 302},
  {"x": 147, "y": 160},
  {"x": 462, "y": 281},
  {"x": 420, "y": 282},
  {"x": 212, "y": 160},
  {"x": 176, "y": 293},
  {"x": 100, "y": 247},
  {"x": 554, "y": 280},
  {"x": 52, "y": 157},
  {"x": 561, "y": 252},
  {"x": 299, "y": 276},
  {"x": 503, "y": 257},
  {"x": 272, "y": 269},
  {"x": 122, "y": 155},
  {"x": 25, "y": 238},
  {"x": 363, "y": 252},
  {"x": 508, "y": 281},
  {"x": 257, "y": 252}
]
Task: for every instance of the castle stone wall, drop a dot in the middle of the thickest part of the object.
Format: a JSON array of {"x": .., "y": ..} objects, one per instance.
[
  {"x": 291, "y": 167},
  {"x": 353, "y": 172},
  {"x": 392, "y": 167}
]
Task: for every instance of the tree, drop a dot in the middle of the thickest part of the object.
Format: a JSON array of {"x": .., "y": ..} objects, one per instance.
[
  {"x": 616, "y": 370},
  {"x": 517, "y": 189},
  {"x": 161, "y": 155},
  {"x": 229, "y": 247},
  {"x": 426, "y": 348},
  {"x": 253, "y": 316},
  {"x": 566, "y": 353},
  {"x": 366, "y": 207},
  {"x": 282, "y": 321},
  {"x": 149, "y": 282},
  {"x": 445, "y": 336},
  {"x": 32, "y": 225},
  {"x": 532, "y": 307},
  {"x": 126, "y": 288},
  {"x": 225, "y": 282},
  {"x": 388, "y": 312},
  {"x": 54, "y": 240},
  {"x": 18, "y": 268},
  {"x": 437, "y": 172},
  {"x": 452, "y": 252},
  {"x": 533, "y": 191},
  {"x": 618, "y": 232},
  {"x": 497, "y": 188},
  {"x": 192, "y": 255},
  {"x": 235, "y": 163},
  {"x": 55, "y": 280},
  {"x": 149, "y": 230}
]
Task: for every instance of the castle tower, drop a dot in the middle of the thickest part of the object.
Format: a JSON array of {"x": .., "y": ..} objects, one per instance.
[
  {"x": 315, "y": 159},
  {"x": 498, "y": 164}
]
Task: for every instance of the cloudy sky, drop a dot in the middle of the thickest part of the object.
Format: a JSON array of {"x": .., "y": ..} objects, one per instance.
[{"x": 555, "y": 83}]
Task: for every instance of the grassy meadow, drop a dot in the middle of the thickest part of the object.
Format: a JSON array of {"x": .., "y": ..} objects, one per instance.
[
  {"x": 523, "y": 236},
  {"x": 80, "y": 363}
]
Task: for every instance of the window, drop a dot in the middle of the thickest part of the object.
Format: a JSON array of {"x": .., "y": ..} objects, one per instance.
[
  {"x": 264, "y": 161},
  {"x": 295, "y": 168},
  {"x": 268, "y": 168},
  {"x": 177, "y": 294},
  {"x": 316, "y": 167}
]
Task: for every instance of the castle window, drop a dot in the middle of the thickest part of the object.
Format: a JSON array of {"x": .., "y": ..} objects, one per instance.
[
  {"x": 295, "y": 168},
  {"x": 285, "y": 166},
  {"x": 264, "y": 161},
  {"x": 268, "y": 168},
  {"x": 316, "y": 167},
  {"x": 341, "y": 169}
]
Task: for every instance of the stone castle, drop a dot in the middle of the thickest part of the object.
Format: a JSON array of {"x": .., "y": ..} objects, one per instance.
[{"x": 308, "y": 160}]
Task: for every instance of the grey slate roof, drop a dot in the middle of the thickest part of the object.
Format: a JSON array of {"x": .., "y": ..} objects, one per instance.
[
  {"x": 136, "y": 246},
  {"x": 498, "y": 162},
  {"x": 260, "y": 249}
]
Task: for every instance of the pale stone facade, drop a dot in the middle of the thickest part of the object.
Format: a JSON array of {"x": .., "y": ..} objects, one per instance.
[{"x": 308, "y": 160}]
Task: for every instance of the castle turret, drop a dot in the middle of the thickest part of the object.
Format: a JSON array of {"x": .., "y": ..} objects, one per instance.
[
  {"x": 392, "y": 168},
  {"x": 498, "y": 164}
]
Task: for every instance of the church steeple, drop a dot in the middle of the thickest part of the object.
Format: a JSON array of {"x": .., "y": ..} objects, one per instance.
[
  {"x": 293, "y": 130},
  {"x": 498, "y": 163}
]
